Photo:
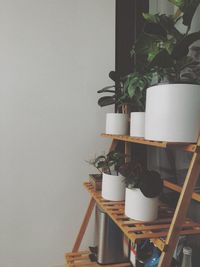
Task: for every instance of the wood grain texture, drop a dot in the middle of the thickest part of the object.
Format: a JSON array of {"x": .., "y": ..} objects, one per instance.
[
  {"x": 84, "y": 225},
  {"x": 135, "y": 230},
  {"x": 161, "y": 144},
  {"x": 181, "y": 209},
  {"x": 81, "y": 259}
]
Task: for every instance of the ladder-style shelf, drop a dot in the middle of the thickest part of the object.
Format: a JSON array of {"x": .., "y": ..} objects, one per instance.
[{"x": 163, "y": 232}]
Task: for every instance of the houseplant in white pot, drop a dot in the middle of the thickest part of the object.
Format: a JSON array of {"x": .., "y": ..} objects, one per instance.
[
  {"x": 113, "y": 183},
  {"x": 135, "y": 87},
  {"x": 142, "y": 192},
  {"x": 173, "y": 107},
  {"x": 118, "y": 122}
]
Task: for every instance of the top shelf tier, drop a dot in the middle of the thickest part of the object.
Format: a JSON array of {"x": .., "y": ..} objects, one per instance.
[{"x": 185, "y": 146}]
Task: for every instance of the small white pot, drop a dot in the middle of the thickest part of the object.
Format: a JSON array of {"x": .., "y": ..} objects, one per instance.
[
  {"x": 117, "y": 123},
  {"x": 173, "y": 113},
  {"x": 138, "y": 207},
  {"x": 137, "y": 124},
  {"x": 113, "y": 187}
]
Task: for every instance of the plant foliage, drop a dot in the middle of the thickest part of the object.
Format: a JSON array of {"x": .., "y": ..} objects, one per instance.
[
  {"x": 108, "y": 163},
  {"x": 148, "y": 181},
  {"x": 163, "y": 47},
  {"x": 161, "y": 55}
]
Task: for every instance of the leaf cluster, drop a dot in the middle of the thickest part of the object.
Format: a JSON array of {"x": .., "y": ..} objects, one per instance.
[
  {"x": 108, "y": 163},
  {"x": 136, "y": 176},
  {"x": 162, "y": 46},
  {"x": 161, "y": 55},
  {"x": 135, "y": 89},
  {"x": 148, "y": 181},
  {"x": 115, "y": 91}
]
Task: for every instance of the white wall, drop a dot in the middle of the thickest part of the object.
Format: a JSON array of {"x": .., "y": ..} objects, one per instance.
[{"x": 54, "y": 56}]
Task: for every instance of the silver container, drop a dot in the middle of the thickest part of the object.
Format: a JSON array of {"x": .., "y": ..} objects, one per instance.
[{"x": 112, "y": 245}]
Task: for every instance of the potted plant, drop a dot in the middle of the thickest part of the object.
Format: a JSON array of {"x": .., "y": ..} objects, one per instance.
[
  {"x": 116, "y": 123},
  {"x": 172, "y": 107},
  {"x": 113, "y": 183},
  {"x": 142, "y": 192},
  {"x": 129, "y": 91},
  {"x": 135, "y": 87}
]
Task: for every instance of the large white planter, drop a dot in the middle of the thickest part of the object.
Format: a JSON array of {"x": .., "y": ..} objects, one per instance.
[
  {"x": 113, "y": 187},
  {"x": 138, "y": 207},
  {"x": 137, "y": 124},
  {"x": 117, "y": 123},
  {"x": 173, "y": 113}
]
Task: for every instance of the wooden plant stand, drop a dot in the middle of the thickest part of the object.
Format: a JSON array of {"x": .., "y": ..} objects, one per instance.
[{"x": 163, "y": 232}]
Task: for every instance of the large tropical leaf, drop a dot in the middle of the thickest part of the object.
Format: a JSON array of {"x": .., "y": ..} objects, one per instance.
[
  {"x": 186, "y": 62},
  {"x": 106, "y": 101},
  {"x": 188, "y": 7},
  {"x": 114, "y": 75},
  {"x": 149, "y": 45},
  {"x": 162, "y": 60},
  {"x": 182, "y": 48},
  {"x": 107, "y": 89},
  {"x": 155, "y": 29},
  {"x": 161, "y": 25}
]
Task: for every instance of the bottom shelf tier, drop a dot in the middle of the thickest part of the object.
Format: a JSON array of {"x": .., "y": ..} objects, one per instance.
[
  {"x": 137, "y": 230},
  {"x": 81, "y": 259}
]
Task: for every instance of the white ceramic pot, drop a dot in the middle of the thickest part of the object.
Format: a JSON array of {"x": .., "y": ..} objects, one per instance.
[
  {"x": 137, "y": 124},
  {"x": 117, "y": 123},
  {"x": 138, "y": 207},
  {"x": 113, "y": 187},
  {"x": 173, "y": 113}
]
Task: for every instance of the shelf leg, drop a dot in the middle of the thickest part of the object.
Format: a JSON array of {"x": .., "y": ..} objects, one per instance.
[
  {"x": 127, "y": 151},
  {"x": 84, "y": 225},
  {"x": 114, "y": 145},
  {"x": 181, "y": 210}
]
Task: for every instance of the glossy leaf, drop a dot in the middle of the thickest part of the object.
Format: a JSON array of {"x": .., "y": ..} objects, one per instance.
[
  {"x": 106, "y": 89},
  {"x": 114, "y": 75},
  {"x": 162, "y": 60},
  {"x": 106, "y": 101},
  {"x": 151, "y": 184},
  {"x": 182, "y": 47}
]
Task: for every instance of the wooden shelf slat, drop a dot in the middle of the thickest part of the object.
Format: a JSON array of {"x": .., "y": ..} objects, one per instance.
[
  {"x": 81, "y": 259},
  {"x": 177, "y": 188},
  {"x": 126, "y": 138},
  {"x": 135, "y": 230}
]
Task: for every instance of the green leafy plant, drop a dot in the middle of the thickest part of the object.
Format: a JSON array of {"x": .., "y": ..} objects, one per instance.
[
  {"x": 108, "y": 163},
  {"x": 162, "y": 47},
  {"x": 130, "y": 90},
  {"x": 135, "y": 89},
  {"x": 148, "y": 181},
  {"x": 115, "y": 92},
  {"x": 188, "y": 8},
  {"x": 161, "y": 54},
  {"x": 135, "y": 175}
]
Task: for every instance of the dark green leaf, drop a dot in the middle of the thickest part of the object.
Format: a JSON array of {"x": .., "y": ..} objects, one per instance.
[
  {"x": 185, "y": 62},
  {"x": 151, "y": 184},
  {"x": 155, "y": 29},
  {"x": 106, "y": 101},
  {"x": 114, "y": 75},
  {"x": 151, "y": 18},
  {"x": 106, "y": 89},
  {"x": 162, "y": 60},
  {"x": 182, "y": 48}
]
